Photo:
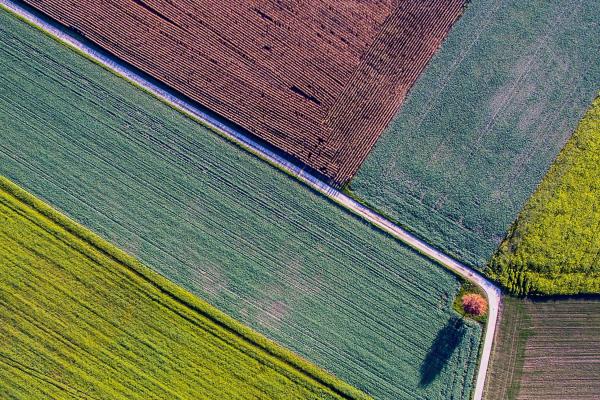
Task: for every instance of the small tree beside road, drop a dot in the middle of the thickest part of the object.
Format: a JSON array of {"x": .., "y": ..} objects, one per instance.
[{"x": 474, "y": 304}]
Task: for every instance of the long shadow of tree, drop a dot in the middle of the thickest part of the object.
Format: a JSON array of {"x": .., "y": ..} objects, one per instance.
[{"x": 446, "y": 341}]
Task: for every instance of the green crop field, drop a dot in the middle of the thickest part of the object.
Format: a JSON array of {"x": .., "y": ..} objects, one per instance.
[
  {"x": 553, "y": 247},
  {"x": 228, "y": 227},
  {"x": 484, "y": 122},
  {"x": 547, "y": 349},
  {"x": 80, "y": 319}
]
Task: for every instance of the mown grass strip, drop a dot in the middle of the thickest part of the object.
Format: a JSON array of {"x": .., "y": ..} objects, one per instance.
[{"x": 54, "y": 246}]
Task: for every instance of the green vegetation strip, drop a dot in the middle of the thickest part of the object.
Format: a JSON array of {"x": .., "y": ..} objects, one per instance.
[
  {"x": 84, "y": 318},
  {"x": 483, "y": 124},
  {"x": 231, "y": 229},
  {"x": 554, "y": 246}
]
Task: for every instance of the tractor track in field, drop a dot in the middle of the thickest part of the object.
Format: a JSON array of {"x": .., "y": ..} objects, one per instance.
[{"x": 492, "y": 291}]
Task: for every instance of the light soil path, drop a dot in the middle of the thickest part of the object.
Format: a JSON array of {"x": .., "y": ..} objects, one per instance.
[{"x": 493, "y": 292}]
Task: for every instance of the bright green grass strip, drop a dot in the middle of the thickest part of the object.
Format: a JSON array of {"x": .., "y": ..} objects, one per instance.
[
  {"x": 554, "y": 246},
  {"x": 81, "y": 318},
  {"x": 226, "y": 226}
]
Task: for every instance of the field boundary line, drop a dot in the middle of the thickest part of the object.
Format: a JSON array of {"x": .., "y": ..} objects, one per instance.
[
  {"x": 233, "y": 135},
  {"x": 185, "y": 304}
]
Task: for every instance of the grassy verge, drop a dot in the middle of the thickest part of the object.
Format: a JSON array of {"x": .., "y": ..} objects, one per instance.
[
  {"x": 466, "y": 288},
  {"x": 508, "y": 354}
]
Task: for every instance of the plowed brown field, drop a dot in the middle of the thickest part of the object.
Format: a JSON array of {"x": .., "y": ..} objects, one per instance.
[{"x": 318, "y": 79}]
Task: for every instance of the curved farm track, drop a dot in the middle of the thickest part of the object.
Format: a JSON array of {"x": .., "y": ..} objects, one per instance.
[{"x": 317, "y": 79}]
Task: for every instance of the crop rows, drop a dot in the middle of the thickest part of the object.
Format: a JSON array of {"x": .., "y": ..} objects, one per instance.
[
  {"x": 484, "y": 122},
  {"x": 553, "y": 247},
  {"x": 80, "y": 319},
  {"x": 404, "y": 45},
  {"x": 546, "y": 350},
  {"x": 317, "y": 79},
  {"x": 228, "y": 227}
]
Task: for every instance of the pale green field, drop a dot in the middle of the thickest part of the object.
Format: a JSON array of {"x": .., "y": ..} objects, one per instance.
[{"x": 484, "y": 122}]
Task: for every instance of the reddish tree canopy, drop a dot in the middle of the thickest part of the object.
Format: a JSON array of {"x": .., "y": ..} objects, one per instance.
[{"x": 474, "y": 304}]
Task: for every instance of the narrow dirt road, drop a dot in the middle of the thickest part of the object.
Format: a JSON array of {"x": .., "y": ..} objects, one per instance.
[{"x": 493, "y": 293}]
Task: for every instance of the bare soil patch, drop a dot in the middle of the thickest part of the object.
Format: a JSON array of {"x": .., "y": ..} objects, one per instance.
[{"x": 317, "y": 79}]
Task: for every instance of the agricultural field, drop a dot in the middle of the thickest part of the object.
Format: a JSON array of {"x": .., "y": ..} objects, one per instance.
[
  {"x": 484, "y": 122},
  {"x": 80, "y": 319},
  {"x": 228, "y": 227},
  {"x": 553, "y": 246},
  {"x": 546, "y": 350},
  {"x": 318, "y": 79}
]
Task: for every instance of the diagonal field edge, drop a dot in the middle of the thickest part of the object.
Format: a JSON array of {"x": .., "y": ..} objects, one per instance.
[
  {"x": 280, "y": 355},
  {"x": 492, "y": 292}
]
